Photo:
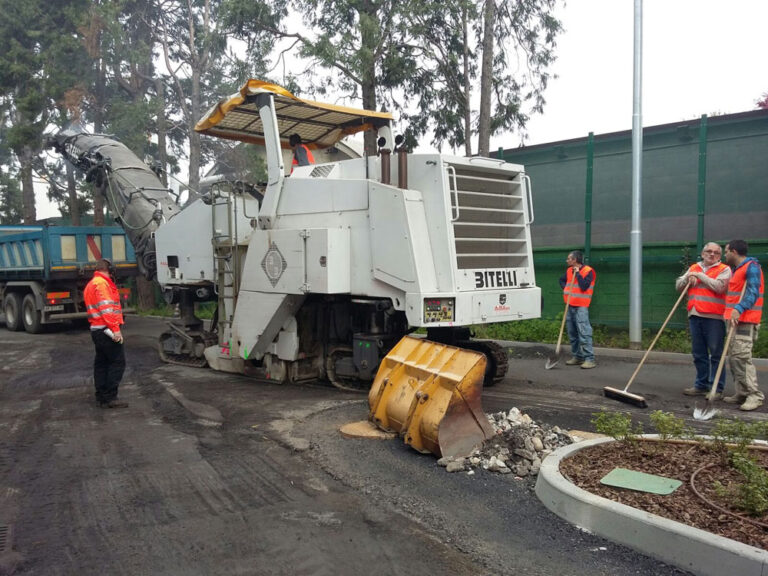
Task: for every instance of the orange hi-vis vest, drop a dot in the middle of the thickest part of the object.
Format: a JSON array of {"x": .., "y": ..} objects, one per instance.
[
  {"x": 579, "y": 298},
  {"x": 739, "y": 278},
  {"x": 309, "y": 156},
  {"x": 702, "y": 298},
  {"x": 102, "y": 301}
]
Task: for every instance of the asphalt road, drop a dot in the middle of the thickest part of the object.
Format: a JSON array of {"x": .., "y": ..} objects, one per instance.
[{"x": 213, "y": 473}]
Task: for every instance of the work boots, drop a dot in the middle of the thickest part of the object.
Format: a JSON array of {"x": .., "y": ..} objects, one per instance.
[
  {"x": 751, "y": 403},
  {"x": 574, "y": 362}
]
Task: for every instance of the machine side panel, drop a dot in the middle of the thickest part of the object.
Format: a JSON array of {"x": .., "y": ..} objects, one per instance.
[{"x": 184, "y": 249}]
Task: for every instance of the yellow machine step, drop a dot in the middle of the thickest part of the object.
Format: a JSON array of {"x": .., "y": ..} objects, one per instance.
[{"x": 430, "y": 394}]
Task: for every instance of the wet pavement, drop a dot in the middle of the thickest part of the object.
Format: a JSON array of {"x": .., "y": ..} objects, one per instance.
[{"x": 213, "y": 473}]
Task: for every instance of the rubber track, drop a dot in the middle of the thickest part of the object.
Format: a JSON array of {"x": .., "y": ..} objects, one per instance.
[
  {"x": 497, "y": 356},
  {"x": 181, "y": 359}
]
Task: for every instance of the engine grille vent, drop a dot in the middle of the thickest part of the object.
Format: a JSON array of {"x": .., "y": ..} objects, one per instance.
[
  {"x": 322, "y": 171},
  {"x": 490, "y": 231}
]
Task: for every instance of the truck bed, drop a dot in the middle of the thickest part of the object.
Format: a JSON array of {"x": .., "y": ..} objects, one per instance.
[{"x": 62, "y": 252}]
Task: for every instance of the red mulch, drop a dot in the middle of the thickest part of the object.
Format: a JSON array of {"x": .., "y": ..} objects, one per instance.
[{"x": 679, "y": 461}]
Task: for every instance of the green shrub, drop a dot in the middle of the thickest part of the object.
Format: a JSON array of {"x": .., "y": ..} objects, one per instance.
[
  {"x": 616, "y": 425},
  {"x": 751, "y": 495},
  {"x": 669, "y": 426}
]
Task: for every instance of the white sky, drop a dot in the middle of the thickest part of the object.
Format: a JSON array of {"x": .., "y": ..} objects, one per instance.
[{"x": 699, "y": 57}]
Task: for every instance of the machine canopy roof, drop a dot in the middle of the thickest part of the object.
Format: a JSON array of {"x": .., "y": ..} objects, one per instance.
[{"x": 319, "y": 125}]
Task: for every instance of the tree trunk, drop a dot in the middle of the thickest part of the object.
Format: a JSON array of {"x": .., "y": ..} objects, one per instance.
[
  {"x": 486, "y": 80},
  {"x": 27, "y": 186},
  {"x": 369, "y": 103},
  {"x": 194, "y": 137},
  {"x": 145, "y": 293},
  {"x": 98, "y": 127},
  {"x": 74, "y": 207},
  {"x": 467, "y": 87},
  {"x": 162, "y": 129}
]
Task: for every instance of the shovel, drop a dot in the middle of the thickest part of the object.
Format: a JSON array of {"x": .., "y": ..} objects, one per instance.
[
  {"x": 708, "y": 411},
  {"x": 553, "y": 361},
  {"x": 636, "y": 399}
]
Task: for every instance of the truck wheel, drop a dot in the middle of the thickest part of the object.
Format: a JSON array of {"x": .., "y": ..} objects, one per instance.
[
  {"x": 12, "y": 309},
  {"x": 30, "y": 315}
]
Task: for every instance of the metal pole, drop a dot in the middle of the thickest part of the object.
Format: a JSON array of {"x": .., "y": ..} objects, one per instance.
[
  {"x": 588, "y": 199},
  {"x": 636, "y": 238},
  {"x": 702, "y": 189}
]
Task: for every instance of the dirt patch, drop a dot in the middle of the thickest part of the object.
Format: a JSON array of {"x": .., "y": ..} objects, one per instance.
[{"x": 678, "y": 461}]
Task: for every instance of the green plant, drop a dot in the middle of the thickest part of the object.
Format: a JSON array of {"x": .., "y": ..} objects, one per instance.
[
  {"x": 737, "y": 432},
  {"x": 751, "y": 495},
  {"x": 669, "y": 426},
  {"x": 616, "y": 425}
]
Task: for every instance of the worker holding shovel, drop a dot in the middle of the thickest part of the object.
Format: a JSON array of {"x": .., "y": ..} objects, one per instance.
[
  {"x": 743, "y": 312},
  {"x": 707, "y": 283},
  {"x": 578, "y": 284}
]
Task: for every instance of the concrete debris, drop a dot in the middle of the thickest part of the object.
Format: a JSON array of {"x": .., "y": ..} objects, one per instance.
[{"x": 519, "y": 446}]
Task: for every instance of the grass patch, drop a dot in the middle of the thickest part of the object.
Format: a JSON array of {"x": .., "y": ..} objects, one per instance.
[{"x": 546, "y": 331}]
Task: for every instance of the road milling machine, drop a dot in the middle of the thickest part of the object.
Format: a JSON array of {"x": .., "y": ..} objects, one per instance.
[{"x": 321, "y": 273}]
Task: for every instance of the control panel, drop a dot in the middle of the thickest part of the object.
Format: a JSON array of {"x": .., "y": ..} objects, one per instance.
[{"x": 439, "y": 309}]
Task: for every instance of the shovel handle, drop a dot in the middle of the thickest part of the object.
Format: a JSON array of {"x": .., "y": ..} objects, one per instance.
[
  {"x": 653, "y": 343},
  {"x": 720, "y": 364},
  {"x": 562, "y": 324}
]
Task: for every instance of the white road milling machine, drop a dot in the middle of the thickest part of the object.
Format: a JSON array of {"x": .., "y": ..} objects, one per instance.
[{"x": 322, "y": 273}]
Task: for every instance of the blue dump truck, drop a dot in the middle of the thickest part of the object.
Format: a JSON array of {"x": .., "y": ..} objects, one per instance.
[{"x": 44, "y": 270}]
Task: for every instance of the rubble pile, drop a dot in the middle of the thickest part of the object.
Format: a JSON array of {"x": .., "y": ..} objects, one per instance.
[{"x": 518, "y": 446}]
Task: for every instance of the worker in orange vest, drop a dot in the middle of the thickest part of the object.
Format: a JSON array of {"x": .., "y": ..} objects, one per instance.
[
  {"x": 707, "y": 283},
  {"x": 578, "y": 284},
  {"x": 744, "y": 313},
  {"x": 302, "y": 156},
  {"x": 105, "y": 315}
]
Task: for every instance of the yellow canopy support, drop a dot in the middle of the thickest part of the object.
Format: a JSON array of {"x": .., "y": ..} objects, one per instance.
[
  {"x": 429, "y": 394},
  {"x": 320, "y": 125}
]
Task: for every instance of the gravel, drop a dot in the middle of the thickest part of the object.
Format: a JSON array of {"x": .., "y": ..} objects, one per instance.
[{"x": 518, "y": 446}]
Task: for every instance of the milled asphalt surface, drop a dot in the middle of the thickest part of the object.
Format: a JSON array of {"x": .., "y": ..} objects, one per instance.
[{"x": 214, "y": 473}]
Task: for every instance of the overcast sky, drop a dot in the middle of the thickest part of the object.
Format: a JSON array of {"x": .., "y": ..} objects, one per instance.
[{"x": 699, "y": 57}]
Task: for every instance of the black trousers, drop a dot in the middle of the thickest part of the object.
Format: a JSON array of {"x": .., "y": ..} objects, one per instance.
[{"x": 108, "y": 366}]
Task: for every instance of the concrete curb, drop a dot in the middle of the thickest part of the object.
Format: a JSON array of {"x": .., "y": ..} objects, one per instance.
[
  {"x": 688, "y": 548},
  {"x": 624, "y": 353}
]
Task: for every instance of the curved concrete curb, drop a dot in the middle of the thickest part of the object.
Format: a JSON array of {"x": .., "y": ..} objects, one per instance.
[{"x": 688, "y": 548}]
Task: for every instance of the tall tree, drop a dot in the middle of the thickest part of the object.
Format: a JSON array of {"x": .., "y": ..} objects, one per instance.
[
  {"x": 193, "y": 48},
  {"x": 507, "y": 49}
]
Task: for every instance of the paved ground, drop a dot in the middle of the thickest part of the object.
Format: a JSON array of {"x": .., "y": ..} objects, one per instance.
[{"x": 210, "y": 473}]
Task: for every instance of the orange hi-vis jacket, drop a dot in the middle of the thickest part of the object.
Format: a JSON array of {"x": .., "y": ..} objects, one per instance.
[
  {"x": 579, "y": 298},
  {"x": 307, "y": 151},
  {"x": 102, "y": 301},
  {"x": 739, "y": 278},
  {"x": 702, "y": 298}
]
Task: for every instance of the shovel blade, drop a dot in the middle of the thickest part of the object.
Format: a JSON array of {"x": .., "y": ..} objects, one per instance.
[
  {"x": 552, "y": 361},
  {"x": 706, "y": 413}
]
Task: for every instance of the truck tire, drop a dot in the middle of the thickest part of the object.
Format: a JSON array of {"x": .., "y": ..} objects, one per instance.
[
  {"x": 12, "y": 310},
  {"x": 31, "y": 315}
]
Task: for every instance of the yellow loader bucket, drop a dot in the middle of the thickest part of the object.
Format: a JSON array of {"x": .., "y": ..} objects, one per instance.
[{"x": 429, "y": 394}]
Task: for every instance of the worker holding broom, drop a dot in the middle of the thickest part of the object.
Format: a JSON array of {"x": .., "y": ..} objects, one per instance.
[
  {"x": 707, "y": 282},
  {"x": 743, "y": 312},
  {"x": 578, "y": 284}
]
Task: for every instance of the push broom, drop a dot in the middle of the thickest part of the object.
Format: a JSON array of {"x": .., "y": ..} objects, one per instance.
[{"x": 629, "y": 397}]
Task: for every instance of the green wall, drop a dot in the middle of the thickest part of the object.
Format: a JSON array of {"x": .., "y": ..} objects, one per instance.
[{"x": 662, "y": 264}]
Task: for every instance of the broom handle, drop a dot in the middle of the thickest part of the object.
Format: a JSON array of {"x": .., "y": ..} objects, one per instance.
[
  {"x": 562, "y": 324},
  {"x": 671, "y": 312},
  {"x": 720, "y": 365}
]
